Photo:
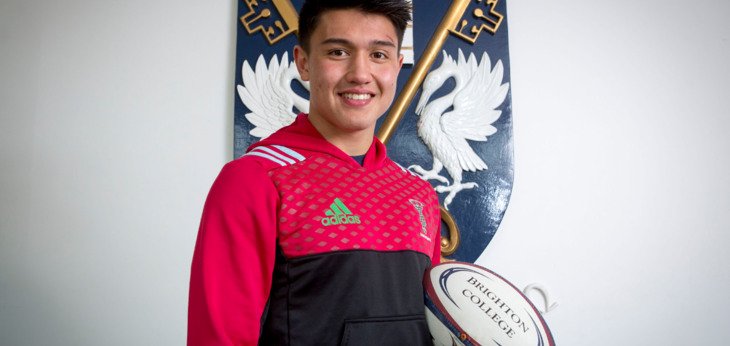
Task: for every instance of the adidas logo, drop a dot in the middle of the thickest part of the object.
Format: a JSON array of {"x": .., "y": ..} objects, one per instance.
[{"x": 339, "y": 214}]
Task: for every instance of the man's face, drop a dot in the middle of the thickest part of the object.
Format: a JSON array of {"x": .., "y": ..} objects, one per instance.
[{"x": 352, "y": 66}]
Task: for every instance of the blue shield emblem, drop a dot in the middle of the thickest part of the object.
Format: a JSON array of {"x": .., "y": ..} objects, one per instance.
[{"x": 450, "y": 123}]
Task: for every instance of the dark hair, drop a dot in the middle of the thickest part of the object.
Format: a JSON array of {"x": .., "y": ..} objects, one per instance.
[{"x": 397, "y": 11}]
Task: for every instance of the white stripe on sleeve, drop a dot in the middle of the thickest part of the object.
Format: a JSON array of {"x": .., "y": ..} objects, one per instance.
[{"x": 292, "y": 153}]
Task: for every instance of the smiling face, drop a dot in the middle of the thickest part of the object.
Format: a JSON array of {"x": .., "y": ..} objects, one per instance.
[{"x": 352, "y": 66}]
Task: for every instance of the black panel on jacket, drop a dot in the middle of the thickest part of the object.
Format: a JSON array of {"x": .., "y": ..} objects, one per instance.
[{"x": 348, "y": 298}]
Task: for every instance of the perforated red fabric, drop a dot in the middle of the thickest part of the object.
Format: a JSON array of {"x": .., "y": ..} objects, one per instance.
[{"x": 389, "y": 208}]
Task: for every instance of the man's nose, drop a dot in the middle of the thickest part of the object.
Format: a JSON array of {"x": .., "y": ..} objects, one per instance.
[{"x": 360, "y": 70}]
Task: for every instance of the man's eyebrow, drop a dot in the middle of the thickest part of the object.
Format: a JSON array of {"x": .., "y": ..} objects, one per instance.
[
  {"x": 340, "y": 41},
  {"x": 382, "y": 43},
  {"x": 344, "y": 42}
]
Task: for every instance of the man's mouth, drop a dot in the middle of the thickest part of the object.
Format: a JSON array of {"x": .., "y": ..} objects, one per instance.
[{"x": 352, "y": 96}]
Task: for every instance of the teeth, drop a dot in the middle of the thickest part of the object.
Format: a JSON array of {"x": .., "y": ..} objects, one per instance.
[{"x": 356, "y": 96}]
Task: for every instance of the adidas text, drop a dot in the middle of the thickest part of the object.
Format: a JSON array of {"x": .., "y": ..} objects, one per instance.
[{"x": 341, "y": 220}]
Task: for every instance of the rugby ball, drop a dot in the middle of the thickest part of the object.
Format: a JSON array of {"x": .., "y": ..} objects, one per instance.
[{"x": 470, "y": 305}]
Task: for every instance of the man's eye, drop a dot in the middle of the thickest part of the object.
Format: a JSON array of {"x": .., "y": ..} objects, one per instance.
[
  {"x": 379, "y": 55},
  {"x": 338, "y": 52}
]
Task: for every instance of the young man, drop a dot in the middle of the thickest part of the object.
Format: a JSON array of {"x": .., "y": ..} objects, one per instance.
[{"x": 301, "y": 244}]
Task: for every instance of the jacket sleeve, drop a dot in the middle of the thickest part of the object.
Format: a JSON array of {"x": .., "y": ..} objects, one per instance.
[
  {"x": 234, "y": 257},
  {"x": 436, "y": 256}
]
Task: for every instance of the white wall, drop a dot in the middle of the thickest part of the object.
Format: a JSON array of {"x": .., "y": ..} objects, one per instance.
[
  {"x": 115, "y": 117},
  {"x": 622, "y": 175}
]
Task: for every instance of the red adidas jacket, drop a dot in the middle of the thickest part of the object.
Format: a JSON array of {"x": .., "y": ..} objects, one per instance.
[{"x": 299, "y": 244}]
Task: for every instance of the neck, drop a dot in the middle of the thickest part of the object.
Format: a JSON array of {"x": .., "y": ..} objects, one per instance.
[{"x": 353, "y": 143}]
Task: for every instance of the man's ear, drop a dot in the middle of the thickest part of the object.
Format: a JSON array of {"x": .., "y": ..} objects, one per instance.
[
  {"x": 400, "y": 60},
  {"x": 302, "y": 61}
]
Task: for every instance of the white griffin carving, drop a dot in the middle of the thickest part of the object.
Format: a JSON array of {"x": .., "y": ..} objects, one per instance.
[
  {"x": 268, "y": 94},
  {"x": 466, "y": 113}
]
